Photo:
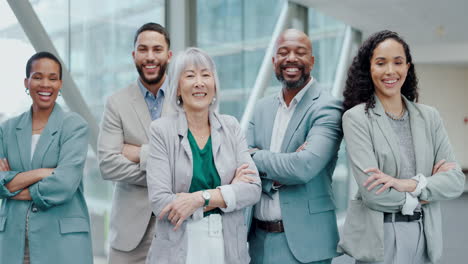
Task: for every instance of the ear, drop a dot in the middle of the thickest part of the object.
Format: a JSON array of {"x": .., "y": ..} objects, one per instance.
[
  {"x": 26, "y": 83},
  {"x": 169, "y": 56},
  {"x": 133, "y": 55}
]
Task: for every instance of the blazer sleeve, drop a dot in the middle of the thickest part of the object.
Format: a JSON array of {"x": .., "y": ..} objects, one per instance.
[
  {"x": 159, "y": 174},
  {"x": 245, "y": 194},
  {"x": 5, "y": 176},
  {"x": 443, "y": 185},
  {"x": 323, "y": 141},
  {"x": 113, "y": 165},
  {"x": 360, "y": 151},
  {"x": 62, "y": 185}
]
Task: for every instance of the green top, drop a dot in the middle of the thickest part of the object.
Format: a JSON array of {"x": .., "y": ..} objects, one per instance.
[{"x": 205, "y": 175}]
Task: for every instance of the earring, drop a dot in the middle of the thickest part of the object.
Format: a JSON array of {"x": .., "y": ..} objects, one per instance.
[
  {"x": 179, "y": 100},
  {"x": 26, "y": 91},
  {"x": 213, "y": 101},
  {"x": 60, "y": 93}
]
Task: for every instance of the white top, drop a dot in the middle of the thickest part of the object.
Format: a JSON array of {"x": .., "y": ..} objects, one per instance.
[
  {"x": 268, "y": 209},
  {"x": 34, "y": 140}
]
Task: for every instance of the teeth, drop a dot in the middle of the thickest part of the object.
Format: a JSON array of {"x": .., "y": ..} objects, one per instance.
[
  {"x": 44, "y": 93},
  {"x": 150, "y": 66},
  {"x": 292, "y": 69},
  {"x": 199, "y": 94},
  {"x": 390, "y": 81}
]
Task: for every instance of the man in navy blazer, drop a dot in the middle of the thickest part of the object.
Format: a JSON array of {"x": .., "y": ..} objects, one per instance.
[{"x": 294, "y": 138}]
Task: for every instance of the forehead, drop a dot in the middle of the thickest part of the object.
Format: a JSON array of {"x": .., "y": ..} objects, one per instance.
[
  {"x": 151, "y": 38},
  {"x": 293, "y": 41},
  {"x": 45, "y": 65},
  {"x": 389, "y": 48}
]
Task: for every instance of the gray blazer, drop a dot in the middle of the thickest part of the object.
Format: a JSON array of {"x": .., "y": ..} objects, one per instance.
[
  {"x": 306, "y": 199},
  {"x": 371, "y": 142},
  {"x": 170, "y": 171},
  {"x": 126, "y": 120}
]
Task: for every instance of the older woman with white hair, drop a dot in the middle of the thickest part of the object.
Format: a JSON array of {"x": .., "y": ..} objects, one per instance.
[{"x": 200, "y": 174}]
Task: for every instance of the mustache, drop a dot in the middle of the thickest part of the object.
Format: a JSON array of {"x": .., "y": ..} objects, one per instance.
[{"x": 288, "y": 65}]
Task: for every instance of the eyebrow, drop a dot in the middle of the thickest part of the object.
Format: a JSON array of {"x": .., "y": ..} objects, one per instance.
[{"x": 383, "y": 58}]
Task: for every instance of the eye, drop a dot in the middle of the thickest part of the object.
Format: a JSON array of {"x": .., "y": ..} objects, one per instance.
[{"x": 35, "y": 77}]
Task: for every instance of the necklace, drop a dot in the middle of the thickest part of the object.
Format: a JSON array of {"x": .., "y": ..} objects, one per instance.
[
  {"x": 396, "y": 117},
  {"x": 37, "y": 129}
]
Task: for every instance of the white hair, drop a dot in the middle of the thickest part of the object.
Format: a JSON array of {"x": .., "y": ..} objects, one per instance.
[{"x": 190, "y": 57}]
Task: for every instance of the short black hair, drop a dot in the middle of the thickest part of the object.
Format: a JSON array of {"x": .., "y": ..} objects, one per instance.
[
  {"x": 153, "y": 27},
  {"x": 42, "y": 55}
]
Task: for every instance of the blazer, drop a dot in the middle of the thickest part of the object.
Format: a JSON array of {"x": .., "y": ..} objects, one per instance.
[
  {"x": 371, "y": 142},
  {"x": 306, "y": 197},
  {"x": 58, "y": 225},
  {"x": 170, "y": 171},
  {"x": 126, "y": 120}
]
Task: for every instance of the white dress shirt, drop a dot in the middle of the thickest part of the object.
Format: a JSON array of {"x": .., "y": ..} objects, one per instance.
[{"x": 268, "y": 209}]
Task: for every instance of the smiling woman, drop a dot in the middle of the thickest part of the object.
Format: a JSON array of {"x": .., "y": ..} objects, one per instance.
[{"x": 42, "y": 155}]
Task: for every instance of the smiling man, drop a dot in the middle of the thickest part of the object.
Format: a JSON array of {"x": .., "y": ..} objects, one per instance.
[
  {"x": 294, "y": 138},
  {"x": 123, "y": 145}
]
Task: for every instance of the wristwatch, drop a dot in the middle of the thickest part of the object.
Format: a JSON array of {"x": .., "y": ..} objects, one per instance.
[{"x": 207, "y": 196}]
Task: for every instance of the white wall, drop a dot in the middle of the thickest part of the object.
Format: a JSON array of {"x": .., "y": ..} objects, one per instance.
[{"x": 446, "y": 88}]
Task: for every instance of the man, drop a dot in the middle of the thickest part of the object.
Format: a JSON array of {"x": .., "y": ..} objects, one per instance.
[
  {"x": 294, "y": 138},
  {"x": 123, "y": 146}
]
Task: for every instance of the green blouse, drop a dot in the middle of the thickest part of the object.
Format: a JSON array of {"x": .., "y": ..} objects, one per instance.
[{"x": 205, "y": 175}]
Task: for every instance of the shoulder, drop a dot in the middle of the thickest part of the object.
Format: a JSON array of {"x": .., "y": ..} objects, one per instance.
[
  {"x": 357, "y": 113},
  {"x": 228, "y": 121},
  {"x": 165, "y": 124},
  {"x": 12, "y": 122},
  {"x": 123, "y": 95},
  {"x": 73, "y": 122},
  {"x": 266, "y": 101}
]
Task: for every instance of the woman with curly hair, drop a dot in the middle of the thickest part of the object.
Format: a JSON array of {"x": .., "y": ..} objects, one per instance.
[{"x": 400, "y": 156}]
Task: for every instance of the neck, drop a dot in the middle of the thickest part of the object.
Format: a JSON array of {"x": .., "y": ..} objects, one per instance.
[
  {"x": 153, "y": 88},
  {"x": 40, "y": 118},
  {"x": 393, "y": 105},
  {"x": 197, "y": 120},
  {"x": 289, "y": 94}
]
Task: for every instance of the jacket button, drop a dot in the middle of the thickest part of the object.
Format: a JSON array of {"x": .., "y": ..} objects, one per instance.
[{"x": 34, "y": 209}]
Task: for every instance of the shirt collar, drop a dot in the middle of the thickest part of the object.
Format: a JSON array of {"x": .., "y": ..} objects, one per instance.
[
  {"x": 145, "y": 92},
  {"x": 298, "y": 96}
]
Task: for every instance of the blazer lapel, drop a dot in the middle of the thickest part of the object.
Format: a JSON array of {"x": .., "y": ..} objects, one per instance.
[
  {"x": 48, "y": 135},
  {"x": 141, "y": 109},
  {"x": 267, "y": 123},
  {"x": 23, "y": 138},
  {"x": 215, "y": 136},
  {"x": 387, "y": 131},
  {"x": 418, "y": 132},
  {"x": 302, "y": 107},
  {"x": 182, "y": 129}
]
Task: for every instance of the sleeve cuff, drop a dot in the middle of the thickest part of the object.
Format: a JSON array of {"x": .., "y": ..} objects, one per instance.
[
  {"x": 410, "y": 204},
  {"x": 7, "y": 177},
  {"x": 37, "y": 197},
  {"x": 143, "y": 156},
  {"x": 422, "y": 183},
  {"x": 229, "y": 198},
  {"x": 198, "y": 214}
]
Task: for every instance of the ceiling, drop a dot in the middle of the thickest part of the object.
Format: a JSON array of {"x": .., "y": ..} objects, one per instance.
[{"x": 437, "y": 31}]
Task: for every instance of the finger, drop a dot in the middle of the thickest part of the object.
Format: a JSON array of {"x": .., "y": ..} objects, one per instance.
[
  {"x": 374, "y": 170},
  {"x": 437, "y": 166},
  {"x": 164, "y": 211},
  {"x": 179, "y": 223},
  {"x": 384, "y": 187},
  {"x": 248, "y": 171},
  {"x": 247, "y": 179},
  {"x": 7, "y": 164},
  {"x": 175, "y": 219},
  {"x": 376, "y": 183},
  {"x": 370, "y": 179}
]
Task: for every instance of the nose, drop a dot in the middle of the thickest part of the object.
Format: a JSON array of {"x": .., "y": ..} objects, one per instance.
[
  {"x": 199, "y": 83},
  {"x": 151, "y": 55},
  {"x": 390, "y": 68},
  {"x": 45, "y": 82},
  {"x": 291, "y": 57}
]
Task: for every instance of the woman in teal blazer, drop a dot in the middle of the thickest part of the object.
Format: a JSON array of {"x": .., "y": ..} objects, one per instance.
[
  {"x": 43, "y": 216},
  {"x": 400, "y": 155}
]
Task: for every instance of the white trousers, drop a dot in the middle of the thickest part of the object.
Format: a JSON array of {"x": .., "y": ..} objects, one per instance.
[{"x": 205, "y": 241}]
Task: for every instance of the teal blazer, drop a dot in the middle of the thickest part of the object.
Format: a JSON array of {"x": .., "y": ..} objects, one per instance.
[
  {"x": 58, "y": 226},
  {"x": 306, "y": 197}
]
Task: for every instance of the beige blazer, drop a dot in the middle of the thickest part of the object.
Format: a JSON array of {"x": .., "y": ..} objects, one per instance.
[
  {"x": 371, "y": 142},
  {"x": 170, "y": 171},
  {"x": 126, "y": 120}
]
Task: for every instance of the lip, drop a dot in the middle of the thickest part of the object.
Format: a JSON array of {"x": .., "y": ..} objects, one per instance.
[
  {"x": 199, "y": 94},
  {"x": 151, "y": 68},
  {"x": 291, "y": 71},
  {"x": 390, "y": 82},
  {"x": 45, "y": 95}
]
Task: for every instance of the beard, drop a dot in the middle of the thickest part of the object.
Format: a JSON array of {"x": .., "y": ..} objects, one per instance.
[
  {"x": 293, "y": 85},
  {"x": 155, "y": 80}
]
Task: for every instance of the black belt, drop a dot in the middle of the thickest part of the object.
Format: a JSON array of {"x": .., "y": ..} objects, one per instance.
[
  {"x": 270, "y": 226},
  {"x": 388, "y": 217}
]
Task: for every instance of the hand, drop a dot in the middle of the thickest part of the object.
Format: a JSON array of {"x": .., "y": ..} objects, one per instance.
[
  {"x": 44, "y": 172},
  {"x": 443, "y": 166},
  {"x": 423, "y": 202},
  {"x": 301, "y": 147},
  {"x": 4, "y": 166},
  {"x": 378, "y": 177},
  {"x": 182, "y": 207},
  {"x": 131, "y": 152},
  {"x": 24, "y": 195},
  {"x": 242, "y": 174}
]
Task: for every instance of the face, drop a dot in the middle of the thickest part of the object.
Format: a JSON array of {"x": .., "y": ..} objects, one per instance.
[
  {"x": 197, "y": 88},
  {"x": 293, "y": 60},
  {"x": 389, "y": 68},
  {"x": 151, "y": 56},
  {"x": 44, "y": 83}
]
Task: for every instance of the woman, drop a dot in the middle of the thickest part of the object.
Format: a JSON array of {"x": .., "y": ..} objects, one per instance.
[
  {"x": 200, "y": 174},
  {"x": 43, "y": 217},
  {"x": 400, "y": 156}
]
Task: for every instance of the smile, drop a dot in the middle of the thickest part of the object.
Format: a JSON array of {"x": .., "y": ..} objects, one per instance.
[
  {"x": 44, "y": 93},
  {"x": 199, "y": 94}
]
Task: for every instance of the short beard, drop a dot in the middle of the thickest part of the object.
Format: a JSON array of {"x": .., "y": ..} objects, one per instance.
[
  {"x": 156, "y": 80},
  {"x": 293, "y": 85}
]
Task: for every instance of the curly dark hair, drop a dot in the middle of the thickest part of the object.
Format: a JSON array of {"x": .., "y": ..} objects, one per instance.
[{"x": 359, "y": 87}]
